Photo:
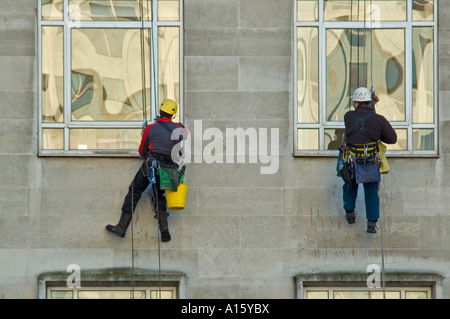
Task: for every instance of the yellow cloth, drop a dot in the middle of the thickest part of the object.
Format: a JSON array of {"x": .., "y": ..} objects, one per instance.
[{"x": 384, "y": 165}]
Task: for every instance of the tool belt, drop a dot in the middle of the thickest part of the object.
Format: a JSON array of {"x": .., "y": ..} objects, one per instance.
[
  {"x": 359, "y": 162},
  {"x": 161, "y": 165},
  {"x": 363, "y": 150}
]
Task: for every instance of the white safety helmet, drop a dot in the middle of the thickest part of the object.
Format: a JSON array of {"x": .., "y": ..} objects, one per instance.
[{"x": 362, "y": 94}]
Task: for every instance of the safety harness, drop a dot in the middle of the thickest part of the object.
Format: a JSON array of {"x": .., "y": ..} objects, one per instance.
[{"x": 362, "y": 153}]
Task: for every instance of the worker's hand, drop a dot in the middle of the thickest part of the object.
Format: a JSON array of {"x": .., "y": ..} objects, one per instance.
[{"x": 375, "y": 99}]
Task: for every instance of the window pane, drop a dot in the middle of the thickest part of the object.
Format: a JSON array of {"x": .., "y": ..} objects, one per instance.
[
  {"x": 110, "y": 9},
  {"x": 416, "y": 295},
  {"x": 168, "y": 10},
  {"x": 351, "y": 294},
  {"x": 402, "y": 141},
  {"x": 52, "y": 139},
  {"x": 423, "y": 75},
  {"x": 334, "y": 138},
  {"x": 61, "y": 294},
  {"x": 163, "y": 294},
  {"x": 107, "y": 74},
  {"x": 308, "y": 139},
  {"x": 354, "y": 10},
  {"x": 52, "y": 9},
  {"x": 387, "y": 295},
  {"x": 308, "y": 75},
  {"x": 169, "y": 64},
  {"x": 317, "y": 295},
  {"x": 110, "y": 294},
  {"x": 105, "y": 139},
  {"x": 366, "y": 57},
  {"x": 423, "y": 139},
  {"x": 307, "y": 10},
  {"x": 423, "y": 10},
  {"x": 52, "y": 74}
]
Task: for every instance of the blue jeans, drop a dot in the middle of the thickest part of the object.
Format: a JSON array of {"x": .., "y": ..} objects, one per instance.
[{"x": 371, "y": 198}]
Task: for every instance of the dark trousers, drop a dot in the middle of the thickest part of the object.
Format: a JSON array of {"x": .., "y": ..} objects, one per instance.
[
  {"x": 138, "y": 185},
  {"x": 371, "y": 198}
]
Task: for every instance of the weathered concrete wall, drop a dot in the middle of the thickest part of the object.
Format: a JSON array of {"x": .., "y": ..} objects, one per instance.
[{"x": 243, "y": 234}]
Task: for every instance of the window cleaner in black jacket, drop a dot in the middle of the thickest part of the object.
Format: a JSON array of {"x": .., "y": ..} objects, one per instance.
[
  {"x": 156, "y": 145},
  {"x": 375, "y": 128}
]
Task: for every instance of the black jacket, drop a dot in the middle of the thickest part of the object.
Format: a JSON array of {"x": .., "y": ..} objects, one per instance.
[{"x": 376, "y": 127}]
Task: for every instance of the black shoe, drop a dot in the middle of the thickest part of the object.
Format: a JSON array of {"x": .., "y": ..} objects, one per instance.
[
  {"x": 121, "y": 228},
  {"x": 165, "y": 235},
  {"x": 350, "y": 216},
  {"x": 371, "y": 226},
  {"x": 117, "y": 229}
]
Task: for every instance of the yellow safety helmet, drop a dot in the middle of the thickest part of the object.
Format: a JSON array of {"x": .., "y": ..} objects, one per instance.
[{"x": 169, "y": 106}]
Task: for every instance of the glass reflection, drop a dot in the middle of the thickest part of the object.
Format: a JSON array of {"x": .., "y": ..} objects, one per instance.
[
  {"x": 365, "y": 57},
  {"x": 317, "y": 295},
  {"x": 308, "y": 139},
  {"x": 61, "y": 294},
  {"x": 111, "y": 294},
  {"x": 168, "y": 10},
  {"x": 402, "y": 141},
  {"x": 307, "y": 10},
  {"x": 351, "y": 295},
  {"x": 334, "y": 138},
  {"x": 423, "y": 75},
  {"x": 52, "y": 139},
  {"x": 163, "y": 294},
  {"x": 416, "y": 295},
  {"x": 105, "y": 139},
  {"x": 52, "y": 74},
  {"x": 368, "y": 11},
  {"x": 169, "y": 64},
  {"x": 308, "y": 75},
  {"x": 52, "y": 9},
  {"x": 423, "y": 10},
  {"x": 385, "y": 295},
  {"x": 423, "y": 139},
  {"x": 110, "y": 9},
  {"x": 107, "y": 74}
]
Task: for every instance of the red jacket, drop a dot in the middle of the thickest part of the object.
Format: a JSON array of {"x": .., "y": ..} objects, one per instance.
[{"x": 157, "y": 137}]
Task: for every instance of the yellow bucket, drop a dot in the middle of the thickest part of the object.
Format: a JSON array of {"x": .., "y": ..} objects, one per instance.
[{"x": 176, "y": 200}]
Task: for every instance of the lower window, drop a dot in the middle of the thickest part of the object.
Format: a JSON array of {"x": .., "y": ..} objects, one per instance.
[
  {"x": 120, "y": 283},
  {"x": 113, "y": 292},
  {"x": 369, "y": 286},
  {"x": 367, "y": 293}
]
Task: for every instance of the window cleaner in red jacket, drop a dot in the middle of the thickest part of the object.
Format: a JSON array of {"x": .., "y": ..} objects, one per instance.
[{"x": 156, "y": 145}]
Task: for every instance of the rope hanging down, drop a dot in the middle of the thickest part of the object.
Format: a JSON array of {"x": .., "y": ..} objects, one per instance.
[
  {"x": 144, "y": 125},
  {"x": 367, "y": 30}
]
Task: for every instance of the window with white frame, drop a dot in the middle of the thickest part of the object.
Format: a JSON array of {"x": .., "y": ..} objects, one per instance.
[
  {"x": 366, "y": 293},
  {"x": 104, "y": 66},
  {"x": 344, "y": 44},
  {"x": 113, "y": 292},
  {"x": 370, "y": 285},
  {"x": 114, "y": 283}
]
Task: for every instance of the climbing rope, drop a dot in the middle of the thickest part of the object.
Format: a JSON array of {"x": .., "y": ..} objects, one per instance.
[
  {"x": 152, "y": 182},
  {"x": 371, "y": 29}
]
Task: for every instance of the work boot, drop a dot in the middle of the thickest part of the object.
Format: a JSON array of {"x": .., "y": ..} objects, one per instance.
[
  {"x": 350, "y": 216},
  {"x": 165, "y": 235},
  {"x": 371, "y": 226},
  {"x": 121, "y": 228}
]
